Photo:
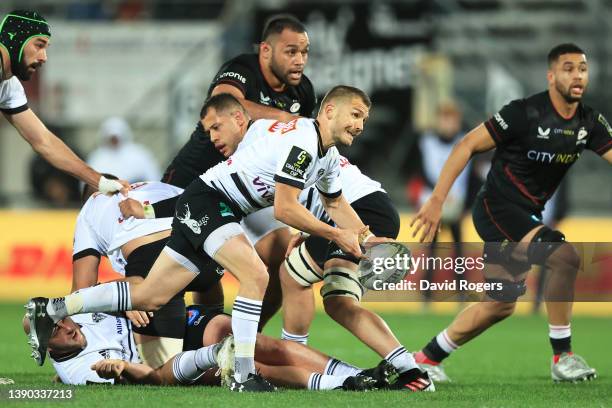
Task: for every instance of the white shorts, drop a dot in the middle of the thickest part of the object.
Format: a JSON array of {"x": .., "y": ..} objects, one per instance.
[{"x": 260, "y": 223}]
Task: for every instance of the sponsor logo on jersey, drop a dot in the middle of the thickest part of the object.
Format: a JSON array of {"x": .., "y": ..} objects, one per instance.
[
  {"x": 344, "y": 162},
  {"x": 582, "y": 134},
  {"x": 263, "y": 189},
  {"x": 605, "y": 123},
  {"x": 97, "y": 317},
  {"x": 320, "y": 173},
  {"x": 543, "y": 134},
  {"x": 501, "y": 121},
  {"x": 297, "y": 162},
  {"x": 225, "y": 210},
  {"x": 119, "y": 325},
  {"x": 219, "y": 270},
  {"x": 192, "y": 224},
  {"x": 105, "y": 354},
  {"x": 283, "y": 127},
  {"x": 564, "y": 132},
  {"x": 295, "y": 107},
  {"x": 263, "y": 99},
  {"x": 233, "y": 75},
  {"x": 550, "y": 158}
]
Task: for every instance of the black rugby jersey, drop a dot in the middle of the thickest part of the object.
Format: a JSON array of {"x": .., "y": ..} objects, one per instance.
[
  {"x": 199, "y": 153},
  {"x": 536, "y": 147}
]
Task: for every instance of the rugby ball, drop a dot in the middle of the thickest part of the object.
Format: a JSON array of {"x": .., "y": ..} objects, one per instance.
[{"x": 388, "y": 262}]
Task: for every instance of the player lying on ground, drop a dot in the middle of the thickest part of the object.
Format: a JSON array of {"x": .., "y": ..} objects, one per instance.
[
  {"x": 342, "y": 290},
  {"x": 24, "y": 39},
  {"x": 269, "y": 84},
  {"x": 93, "y": 348},
  {"x": 537, "y": 139},
  {"x": 280, "y": 161}
]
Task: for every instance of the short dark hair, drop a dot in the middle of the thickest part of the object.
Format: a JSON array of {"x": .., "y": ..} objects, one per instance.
[
  {"x": 89, "y": 190},
  {"x": 565, "y": 48},
  {"x": 278, "y": 22},
  {"x": 345, "y": 91},
  {"x": 221, "y": 102}
]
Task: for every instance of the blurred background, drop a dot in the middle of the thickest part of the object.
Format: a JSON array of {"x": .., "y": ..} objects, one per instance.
[{"x": 130, "y": 77}]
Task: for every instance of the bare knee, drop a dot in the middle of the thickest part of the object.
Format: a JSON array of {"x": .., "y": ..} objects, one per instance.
[
  {"x": 565, "y": 258},
  {"x": 338, "y": 307}
]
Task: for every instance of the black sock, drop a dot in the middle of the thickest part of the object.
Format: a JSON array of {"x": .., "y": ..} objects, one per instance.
[
  {"x": 434, "y": 352},
  {"x": 563, "y": 345}
]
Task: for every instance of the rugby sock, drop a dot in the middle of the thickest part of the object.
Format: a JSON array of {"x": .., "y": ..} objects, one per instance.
[
  {"x": 188, "y": 366},
  {"x": 245, "y": 318},
  {"x": 318, "y": 381},
  {"x": 337, "y": 367},
  {"x": 298, "y": 338},
  {"x": 107, "y": 297},
  {"x": 560, "y": 339},
  {"x": 401, "y": 359},
  {"x": 440, "y": 347}
]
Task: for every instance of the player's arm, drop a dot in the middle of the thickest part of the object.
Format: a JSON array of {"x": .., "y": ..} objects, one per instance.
[
  {"x": 85, "y": 270},
  {"x": 341, "y": 212},
  {"x": 161, "y": 209},
  {"x": 288, "y": 210},
  {"x": 608, "y": 157},
  {"x": 120, "y": 370},
  {"x": 428, "y": 218},
  {"x": 255, "y": 110},
  {"x": 49, "y": 146}
]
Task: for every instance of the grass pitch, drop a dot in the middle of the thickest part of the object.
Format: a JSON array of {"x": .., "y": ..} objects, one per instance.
[{"x": 507, "y": 366}]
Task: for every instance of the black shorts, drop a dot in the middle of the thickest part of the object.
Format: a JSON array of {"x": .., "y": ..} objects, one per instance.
[
  {"x": 375, "y": 210},
  {"x": 198, "y": 317},
  {"x": 200, "y": 210},
  {"x": 499, "y": 220},
  {"x": 169, "y": 320}
]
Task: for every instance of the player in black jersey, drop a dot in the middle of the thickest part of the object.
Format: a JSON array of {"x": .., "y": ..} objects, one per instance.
[
  {"x": 270, "y": 84},
  {"x": 537, "y": 140}
]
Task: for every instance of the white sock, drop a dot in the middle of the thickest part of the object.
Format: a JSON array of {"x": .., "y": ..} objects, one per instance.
[
  {"x": 445, "y": 342},
  {"x": 318, "y": 381},
  {"x": 401, "y": 359},
  {"x": 245, "y": 318},
  {"x": 189, "y": 365},
  {"x": 337, "y": 367},
  {"x": 107, "y": 297},
  {"x": 559, "y": 332},
  {"x": 298, "y": 338}
]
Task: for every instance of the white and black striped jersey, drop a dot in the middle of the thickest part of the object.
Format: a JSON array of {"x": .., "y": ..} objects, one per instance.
[
  {"x": 355, "y": 185},
  {"x": 101, "y": 230},
  {"x": 12, "y": 96},
  {"x": 272, "y": 151},
  {"x": 108, "y": 337}
]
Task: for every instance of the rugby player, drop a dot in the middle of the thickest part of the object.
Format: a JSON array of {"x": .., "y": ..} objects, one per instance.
[
  {"x": 93, "y": 348},
  {"x": 537, "y": 139},
  {"x": 270, "y": 84},
  {"x": 24, "y": 39},
  {"x": 280, "y": 160}
]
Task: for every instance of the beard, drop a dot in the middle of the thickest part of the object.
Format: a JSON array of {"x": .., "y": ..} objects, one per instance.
[
  {"x": 567, "y": 93},
  {"x": 279, "y": 74},
  {"x": 23, "y": 72}
]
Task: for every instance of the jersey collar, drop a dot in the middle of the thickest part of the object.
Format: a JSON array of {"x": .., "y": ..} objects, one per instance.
[{"x": 321, "y": 149}]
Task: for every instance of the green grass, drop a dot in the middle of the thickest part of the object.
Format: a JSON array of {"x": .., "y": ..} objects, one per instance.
[{"x": 505, "y": 367}]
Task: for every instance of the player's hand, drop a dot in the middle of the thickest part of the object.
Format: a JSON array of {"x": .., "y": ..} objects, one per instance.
[
  {"x": 295, "y": 241},
  {"x": 131, "y": 208},
  {"x": 107, "y": 186},
  {"x": 427, "y": 220},
  {"x": 374, "y": 240},
  {"x": 139, "y": 318},
  {"x": 348, "y": 241},
  {"x": 109, "y": 369}
]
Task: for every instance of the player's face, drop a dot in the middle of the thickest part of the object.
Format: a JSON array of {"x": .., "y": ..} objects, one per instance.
[
  {"x": 348, "y": 120},
  {"x": 67, "y": 337},
  {"x": 570, "y": 76},
  {"x": 225, "y": 129},
  {"x": 34, "y": 55},
  {"x": 289, "y": 54}
]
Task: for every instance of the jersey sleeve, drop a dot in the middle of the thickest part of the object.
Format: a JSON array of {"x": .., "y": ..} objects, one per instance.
[
  {"x": 310, "y": 99},
  {"x": 12, "y": 97},
  {"x": 85, "y": 242},
  {"x": 330, "y": 184},
  {"x": 509, "y": 123},
  {"x": 600, "y": 141},
  {"x": 297, "y": 153},
  {"x": 239, "y": 76}
]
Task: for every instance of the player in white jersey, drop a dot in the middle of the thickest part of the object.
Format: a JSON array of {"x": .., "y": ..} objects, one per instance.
[
  {"x": 314, "y": 259},
  {"x": 207, "y": 215},
  {"x": 24, "y": 38}
]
